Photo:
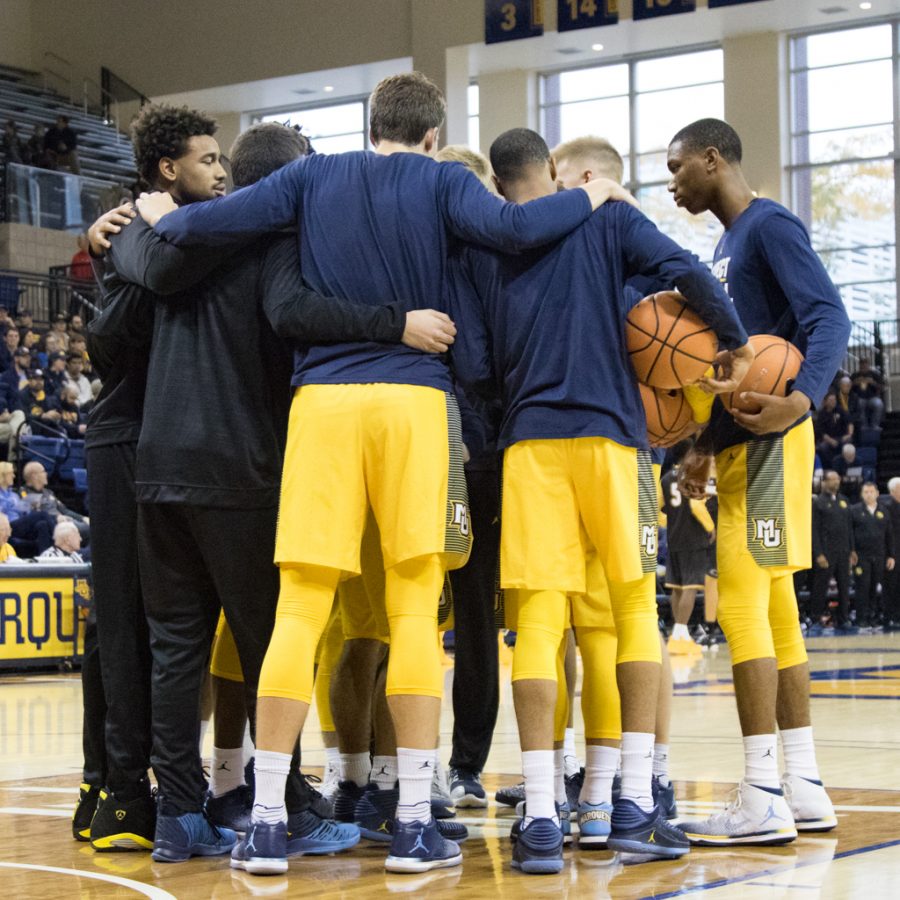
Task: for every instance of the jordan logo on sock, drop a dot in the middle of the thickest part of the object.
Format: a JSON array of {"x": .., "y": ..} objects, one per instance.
[
  {"x": 425, "y": 765},
  {"x": 382, "y": 772},
  {"x": 768, "y": 754},
  {"x": 223, "y": 767}
]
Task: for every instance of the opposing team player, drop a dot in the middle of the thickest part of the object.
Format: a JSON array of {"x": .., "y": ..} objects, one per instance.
[
  {"x": 370, "y": 425},
  {"x": 552, "y": 321},
  {"x": 764, "y": 466}
]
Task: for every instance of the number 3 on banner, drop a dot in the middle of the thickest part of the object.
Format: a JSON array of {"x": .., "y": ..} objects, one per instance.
[{"x": 509, "y": 16}]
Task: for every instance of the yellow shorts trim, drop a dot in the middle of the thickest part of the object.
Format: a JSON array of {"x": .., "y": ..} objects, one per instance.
[{"x": 224, "y": 661}]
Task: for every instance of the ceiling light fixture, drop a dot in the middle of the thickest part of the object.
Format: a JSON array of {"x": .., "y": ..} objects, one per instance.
[
  {"x": 865, "y": 5},
  {"x": 596, "y": 47},
  {"x": 328, "y": 88}
]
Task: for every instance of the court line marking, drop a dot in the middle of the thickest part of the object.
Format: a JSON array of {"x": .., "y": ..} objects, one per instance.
[
  {"x": 147, "y": 890},
  {"x": 775, "y": 870},
  {"x": 34, "y": 811},
  {"x": 28, "y": 789}
]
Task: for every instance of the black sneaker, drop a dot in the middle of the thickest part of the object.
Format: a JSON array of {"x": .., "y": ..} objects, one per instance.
[
  {"x": 466, "y": 789},
  {"x": 539, "y": 848},
  {"x": 231, "y": 810},
  {"x": 88, "y": 796},
  {"x": 664, "y": 797},
  {"x": 345, "y": 799},
  {"x": 511, "y": 796},
  {"x": 123, "y": 825},
  {"x": 636, "y": 831},
  {"x": 574, "y": 783},
  {"x": 377, "y": 809}
]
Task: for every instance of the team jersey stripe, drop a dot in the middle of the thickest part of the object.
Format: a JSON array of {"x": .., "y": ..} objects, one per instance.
[
  {"x": 766, "y": 532},
  {"x": 648, "y": 514}
]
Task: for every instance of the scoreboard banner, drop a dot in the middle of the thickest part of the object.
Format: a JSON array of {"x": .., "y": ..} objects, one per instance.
[
  {"x": 574, "y": 14},
  {"x": 651, "y": 9},
  {"x": 43, "y": 609},
  {"x": 512, "y": 20}
]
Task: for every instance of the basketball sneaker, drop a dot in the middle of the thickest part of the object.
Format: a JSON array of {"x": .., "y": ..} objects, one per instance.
[
  {"x": 466, "y": 790},
  {"x": 538, "y": 849},
  {"x": 563, "y": 813},
  {"x": 330, "y": 779},
  {"x": 419, "y": 847},
  {"x": 88, "y": 795},
  {"x": 231, "y": 810},
  {"x": 441, "y": 802},
  {"x": 664, "y": 795},
  {"x": 178, "y": 838},
  {"x": 809, "y": 803},
  {"x": 123, "y": 824},
  {"x": 511, "y": 796},
  {"x": 574, "y": 784},
  {"x": 262, "y": 850},
  {"x": 345, "y": 799},
  {"x": 311, "y": 835},
  {"x": 753, "y": 815},
  {"x": 377, "y": 809},
  {"x": 594, "y": 824},
  {"x": 634, "y": 831},
  {"x": 683, "y": 647}
]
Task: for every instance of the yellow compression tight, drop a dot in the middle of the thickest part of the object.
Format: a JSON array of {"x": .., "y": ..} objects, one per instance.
[
  {"x": 600, "y": 704},
  {"x": 412, "y": 592},
  {"x": 758, "y": 614},
  {"x": 331, "y": 646},
  {"x": 634, "y": 612},
  {"x": 304, "y": 605},
  {"x": 542, "y": 621}
]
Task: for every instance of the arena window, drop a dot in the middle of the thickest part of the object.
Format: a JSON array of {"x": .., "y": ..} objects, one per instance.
[
  {"x": 638, "y": 104},
  {"x": 844, "y": 152},
  {"x": 334, "y": 128},
  {"x": 473, "y": 111}
]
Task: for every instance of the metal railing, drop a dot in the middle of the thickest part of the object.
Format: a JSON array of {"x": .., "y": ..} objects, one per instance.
[
  {"x": 46, "y": 296},
  {"x": 879, "y": 342},
  {"x": 49, "y": 69}
]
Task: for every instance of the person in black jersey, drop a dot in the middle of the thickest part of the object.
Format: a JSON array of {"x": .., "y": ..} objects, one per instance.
[
  {"x": 832, "y": 551},
  {"x": 206, "y": 488},
  {"x": 873, "y": 540}
]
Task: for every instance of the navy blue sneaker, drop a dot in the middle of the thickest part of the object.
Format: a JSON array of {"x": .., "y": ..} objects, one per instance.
[
  {"x": 377, "y": 809},
  {"x": 311, "y": 835},
  {"x": 263, "y": 850},
  {"x": 178, "y": 838},
  {"x": 636, "y": 831},
  {"x": 420, "y": 847},
  {"x": 231, "y": 810},
  {"x": 511, "y": 796},
  {"x": 664, "y": 797},
  {"x": 574, "y": 784},
  {"x": 565, "y": 822},
  {"x": 345, "y": 799},
  {"x": 616, "y": 788},
  {"x": 466, "y": 789},
  {"x": 539, "y": 848}
]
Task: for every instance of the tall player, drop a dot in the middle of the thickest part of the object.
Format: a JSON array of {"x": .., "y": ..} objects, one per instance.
[
  {"x": 370, "y": 425},
  {"x": 764, "y": 463},
  {"x": 548, "y": 325}
]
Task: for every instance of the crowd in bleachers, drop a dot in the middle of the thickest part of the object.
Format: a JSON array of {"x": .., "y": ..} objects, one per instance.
[{"x": 46, "y": 148}]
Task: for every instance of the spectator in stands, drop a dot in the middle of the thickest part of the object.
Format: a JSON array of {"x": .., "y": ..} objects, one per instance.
[
  {"x": 75, "y": 376},
  {"x": 17, "y": 373},
  {"x": 55, "y": 373},
  {"x": 34, "y": 527},
  {"x": 8, "y": 347},
  {"x": 41, "y": 499},
  {"x": 78, "y": 344},
  {"x": 851, "y": 472},
  {"x": 80, "y": 268},
  {"x": 832, "y": 551},
  {"x": 833, "y": 429},
  {"x": 60, "y": 143},
  {"x": 72, "y": 420},
  {"x": 59, "y": 327},
  {"x": 29, "y": 338},
  {"x": 11, "y": 417},
  {"x": 13, "y": 149},
  {"x": 891, "y": 595},
  {"x": 35, "y": 152},
  {"x": 868, "y": 385},
  {"x": 5, "y": 320},
  {"x": 7, "y": 551},
  {"x": 873, "y": 539},
  {"x": 66, "y": 544},
  {"x": 38, "y": 406},
  {"x": 76, "y": 323},
  {"x": 51, "y": 344},
  {"x": 24, "y": 319}
]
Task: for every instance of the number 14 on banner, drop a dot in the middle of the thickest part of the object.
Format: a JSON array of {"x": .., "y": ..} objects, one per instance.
[{"x": 573, "y": 14}]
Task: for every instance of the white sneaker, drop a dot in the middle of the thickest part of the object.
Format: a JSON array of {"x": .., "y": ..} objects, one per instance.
[
  {"x": 752, "y": 815},
  {"x": 442, "y": 805},
  {"x": 330, "y": 779},
  {"x": 809, "y": 803}
]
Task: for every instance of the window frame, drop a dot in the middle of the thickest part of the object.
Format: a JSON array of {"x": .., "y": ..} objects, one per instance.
[{"x": 257, "y": 115}]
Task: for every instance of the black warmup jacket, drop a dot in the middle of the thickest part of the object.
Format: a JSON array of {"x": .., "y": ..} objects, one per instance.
[{"x": 217, "y": 394}]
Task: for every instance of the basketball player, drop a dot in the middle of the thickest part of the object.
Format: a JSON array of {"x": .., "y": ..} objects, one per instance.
[
  {"x": 207, "y": 489},
  {"x": 370, "y": 425},
  {"x": 574, "y": 435},
  {"x": 764, "y": 471}
]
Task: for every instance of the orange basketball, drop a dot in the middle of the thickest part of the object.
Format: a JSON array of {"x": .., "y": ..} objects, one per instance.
[
  {"x": 776, "y": 364},
  {"x": 668, "y": 413},
  {"x": 668, "y": 343}
]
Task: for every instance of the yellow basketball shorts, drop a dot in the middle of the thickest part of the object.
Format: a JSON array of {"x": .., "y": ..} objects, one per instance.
[
  {"x": 395, "y": 447},
  {"x": 764, "y": 535},
  {"x": 224, "y": 661},
  {"x": 551, "y": 487},
  {"x": 362, "y": 605}
]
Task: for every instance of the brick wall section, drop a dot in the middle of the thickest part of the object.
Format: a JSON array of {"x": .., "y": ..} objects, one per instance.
[{"x": 30, "y": 249}]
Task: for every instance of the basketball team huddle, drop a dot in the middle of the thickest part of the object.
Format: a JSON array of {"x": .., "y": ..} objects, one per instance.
[{"x": 407, "y": 289}]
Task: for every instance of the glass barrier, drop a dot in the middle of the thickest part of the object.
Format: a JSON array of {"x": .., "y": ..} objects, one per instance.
[{"x": 57, "y": 200}]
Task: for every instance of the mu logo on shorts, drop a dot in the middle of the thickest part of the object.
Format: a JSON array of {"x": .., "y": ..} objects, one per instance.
[
  {"x": 768, "y": 533},
  {"x": 648, "y": 540},
  {"x": 461, "y": 518}
]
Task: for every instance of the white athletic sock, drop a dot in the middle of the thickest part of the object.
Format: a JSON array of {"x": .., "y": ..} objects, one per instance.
[
  {"x": 559, "y": 775},
  {"x": 800, "y": 753},
  {"x": 226, "y": 771},
  {"x": 637, "y": 768},
  {"x": 384, "y": 772},
  {"x": 415, "y": 769},
  {"x": 681, "y": 633},
  {"x": 333, "y": 759},
  {"x": 272, "y": 770},
  {"x": 248, "y": 748},
  {"x": 570, "y": 754},
  {"x": 355, "y": 767},
  {"x": 661, "y": 763},
  {"x": 537, "y": 768},
  {"x": 761, "y": 760},
  {"x": 600, "y": 766}
]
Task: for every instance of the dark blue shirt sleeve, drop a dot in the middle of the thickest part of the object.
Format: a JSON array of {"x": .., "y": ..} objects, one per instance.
[
  {"x": 651, "y": 254},
  {"x": 814, "y": 300},
  {"x": 269, "y": 205},
  {"x": 474, "y": 214}
]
